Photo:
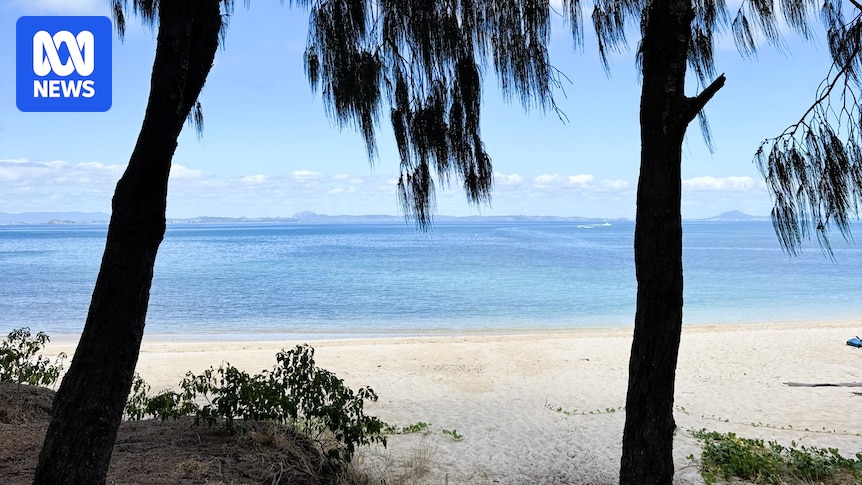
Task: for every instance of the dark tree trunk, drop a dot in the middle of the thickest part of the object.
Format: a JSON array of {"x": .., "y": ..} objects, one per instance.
[
  {"x": 664, "y": 116},
  {"x": 89, "y": 404}
]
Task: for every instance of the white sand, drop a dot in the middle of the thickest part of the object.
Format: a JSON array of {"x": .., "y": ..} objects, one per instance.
[{"x": 496, "y": 391}]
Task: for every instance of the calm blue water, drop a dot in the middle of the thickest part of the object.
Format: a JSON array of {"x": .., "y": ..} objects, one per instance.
[{"x": 268, "y": 281}]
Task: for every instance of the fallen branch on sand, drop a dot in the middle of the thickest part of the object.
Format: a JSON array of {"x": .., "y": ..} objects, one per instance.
[{"x": 824, "y": 384}]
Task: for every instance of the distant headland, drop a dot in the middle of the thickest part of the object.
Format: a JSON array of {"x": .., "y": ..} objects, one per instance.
[{"x": 306, "y": 217}]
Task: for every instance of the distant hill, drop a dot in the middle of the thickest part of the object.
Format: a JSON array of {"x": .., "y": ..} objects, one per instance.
[
  {"x": 231, "y": 220},
  {"x": 308, "y": 217},
  {"x": 53, "y": 217},
  {"x": 735, "y": 216},
  {"x": 301, "y": 217},
  {"x": 321, "y": 218}
]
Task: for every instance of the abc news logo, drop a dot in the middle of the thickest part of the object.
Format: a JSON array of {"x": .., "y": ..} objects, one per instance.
[
  {"x": 81, "y": 60},
  {"x": 63, "y": 63}
]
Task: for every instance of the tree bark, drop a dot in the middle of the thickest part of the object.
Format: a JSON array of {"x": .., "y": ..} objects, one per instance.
[
  {"x": 89, "y": 404},
  {"x": 665, "y": 114}
]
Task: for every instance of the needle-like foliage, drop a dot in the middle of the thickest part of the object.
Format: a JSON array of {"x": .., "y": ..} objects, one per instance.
[
  {"x": 423, "y": 61},
  {"x": 814, "y": 168}
]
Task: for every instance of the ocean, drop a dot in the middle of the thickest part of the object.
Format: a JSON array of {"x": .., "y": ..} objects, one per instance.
[{"x": 272, "y": 281}]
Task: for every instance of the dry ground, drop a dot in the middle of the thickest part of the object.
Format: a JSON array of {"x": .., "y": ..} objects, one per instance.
[{"x": 155, "y": 452}]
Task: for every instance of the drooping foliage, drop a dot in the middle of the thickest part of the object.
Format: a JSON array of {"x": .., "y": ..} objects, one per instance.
[
  {"x": 814, "y": 168},
  {"x": 425, "y": 61}
]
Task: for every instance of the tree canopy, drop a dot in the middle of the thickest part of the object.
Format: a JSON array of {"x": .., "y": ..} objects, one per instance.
[
  {"x": 814, "y": 168},
  {"x": 424, "y": 62}
]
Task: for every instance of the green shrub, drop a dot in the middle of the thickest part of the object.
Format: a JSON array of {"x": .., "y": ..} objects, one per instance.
[
  {"x": 167, "y": 404},
  {"x": 295, "y": 392},
  {"x": 21, "y": 363},
  {"x": 417, "y": 427},
  {"x": 139, "y": 399},
  {"x": 818, "y": 464},
  {"x": 727, "y": 455}
]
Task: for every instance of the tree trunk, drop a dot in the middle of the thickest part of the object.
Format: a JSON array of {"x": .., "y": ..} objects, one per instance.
[
  {"x": 89, "y": 404},
  {"x": 664, "y": 116}
]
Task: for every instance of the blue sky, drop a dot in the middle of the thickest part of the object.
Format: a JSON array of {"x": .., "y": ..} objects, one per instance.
[{"x": 268, "y": 148}]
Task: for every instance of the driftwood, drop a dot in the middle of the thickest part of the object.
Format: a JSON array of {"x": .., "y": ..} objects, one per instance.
[{"x": 824, "y": 384}]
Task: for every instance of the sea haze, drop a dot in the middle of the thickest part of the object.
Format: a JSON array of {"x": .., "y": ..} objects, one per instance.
[{"x": 346, "y": 280}]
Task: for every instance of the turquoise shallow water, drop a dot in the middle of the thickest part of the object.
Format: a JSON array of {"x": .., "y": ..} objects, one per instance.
[{"x": 344, "y": 280}]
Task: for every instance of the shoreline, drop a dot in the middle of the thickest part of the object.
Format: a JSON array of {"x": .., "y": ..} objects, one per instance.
[
  {"x": 67, "y": 339},
  {"x": 501, "y": 392}
]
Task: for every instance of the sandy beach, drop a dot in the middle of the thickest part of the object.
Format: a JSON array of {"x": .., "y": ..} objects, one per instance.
[{"x": 501, "y": 393}]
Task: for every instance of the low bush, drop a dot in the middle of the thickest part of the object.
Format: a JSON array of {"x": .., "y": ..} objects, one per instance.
[
  {"x": 295, "y": 392},
  {"x": 21, "y": 363},
  {"x": 727, "y": 455}
]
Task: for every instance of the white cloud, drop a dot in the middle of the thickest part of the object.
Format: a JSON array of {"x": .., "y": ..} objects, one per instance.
[
  {"x": 615, "y": 184},
  {"x": 732, "y": 183},
  {"x": 341, "y": 190},
  {"x": 54, "y": 185},
  {"x": 306, "y": 175},
  {"x": 547, "y": 180},
  {"x": 389, "y": 183},
  {"x": 513, "y": 179},
  {"x": 59, "y": 185},
  {"x": 341, "y": 176},
  {"x": 57, "y": 171},
  {"x": 581, "y": 180},
  {"x": 181, "y": 172},
  {"x": 253, "y": 179}
]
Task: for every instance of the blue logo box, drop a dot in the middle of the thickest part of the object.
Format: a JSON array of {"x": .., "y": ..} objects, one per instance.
[{"x": 63, "y": 63}]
